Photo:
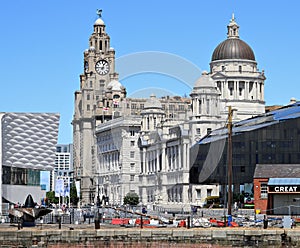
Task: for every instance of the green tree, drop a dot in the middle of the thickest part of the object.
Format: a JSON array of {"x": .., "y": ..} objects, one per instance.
[
  {"x": 51, "y": 197},
  {"x": 73, "y": 194},
  {"x": 131, "y": 199}
]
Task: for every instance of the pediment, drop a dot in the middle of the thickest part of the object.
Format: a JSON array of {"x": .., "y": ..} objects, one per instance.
[{"x": 218, "y": 76}]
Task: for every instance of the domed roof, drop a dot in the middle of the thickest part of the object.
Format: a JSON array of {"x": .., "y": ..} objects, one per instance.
[
  {"x": 98, "y": 22},
  {"x": 115, "y": 85},
  {"x": 152, "y": 102},
  {"x": 204, "y": 81},
  {"x": 233, "y": 47}
]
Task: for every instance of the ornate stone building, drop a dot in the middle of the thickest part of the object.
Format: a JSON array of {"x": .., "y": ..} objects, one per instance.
[
  {"x": 234, "y": 69},
  {"x": 142, "y": 145}
]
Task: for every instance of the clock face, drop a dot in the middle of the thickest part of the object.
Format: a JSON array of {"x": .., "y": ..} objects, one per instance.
[{"x": 102, "y": 67}]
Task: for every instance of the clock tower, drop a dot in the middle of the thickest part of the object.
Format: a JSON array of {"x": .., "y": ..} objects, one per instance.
[{"x": 91, "y": 107}]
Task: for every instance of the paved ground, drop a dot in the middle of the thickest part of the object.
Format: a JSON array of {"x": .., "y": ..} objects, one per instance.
[
  {"x": 64, "y": 227},
  {"x": 13, "y": 227}
]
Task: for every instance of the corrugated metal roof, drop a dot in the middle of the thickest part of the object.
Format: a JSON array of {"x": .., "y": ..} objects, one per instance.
[
  {"x": 284, "y": 181},
  {"x": 288, "y": 112}
]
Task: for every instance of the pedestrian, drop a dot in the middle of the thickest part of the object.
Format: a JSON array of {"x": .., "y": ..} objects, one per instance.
[
  {"x": 236, "y": 206},
  {"x": 84, "y": 216}
]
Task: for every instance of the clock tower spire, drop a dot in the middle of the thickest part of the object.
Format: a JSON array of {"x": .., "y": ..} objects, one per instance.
[{"x": 91, "y": 106}]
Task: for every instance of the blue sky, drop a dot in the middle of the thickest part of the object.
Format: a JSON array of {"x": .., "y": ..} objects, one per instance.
[{"x": 42, "y": 45}]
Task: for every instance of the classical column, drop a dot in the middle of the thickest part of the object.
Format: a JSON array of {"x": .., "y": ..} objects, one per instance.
[
  {"x": 167, "y": 159},
  {"x": 262, "y": 96},
  {"x": 163, "y": 157},
  {"x": 180, "y": 162}
]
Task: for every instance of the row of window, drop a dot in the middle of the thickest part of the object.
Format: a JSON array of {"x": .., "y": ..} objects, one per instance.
[
  {"x": 198, "y": 131},
  {"x": 101, "y": 84},
  {"x": 63, "y": 149},
  {"x": 20, "y": 176},
  {"x": 264, "y": 191},
  {"x": 199, "y": 193},
  {"x": 110, "y": 136},
  {"x": 171, "y": 107},
  {"x": 174, "y": 195},
  {"x": 241, "y": 87},
  {"x": 240, "y": 67}
]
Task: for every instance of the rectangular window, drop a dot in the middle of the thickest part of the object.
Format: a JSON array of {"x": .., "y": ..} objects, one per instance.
[
  {"x": 208, "y": 131},
  {"x": 131, "y": 178},
  {"x": 133, "y": 106},
  {"x": 132, "y": 132},
  {"x": 132, "y": 166},
  {"x": 132, "y": 154},
  {"x": 264, "y": 191},
  {"x": 198, "y": 131},
  {"x": 181, "y": 107},
  {"x": 209, "y": 191},
  {"x": 102, "y": 83},
  {"x": 198, "y": 193}
]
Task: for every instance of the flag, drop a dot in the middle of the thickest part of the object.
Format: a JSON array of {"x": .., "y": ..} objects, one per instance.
[
  {"x": 59, "y": 187},
  {"x": 67, "y": 191},
  {"x": 77, "y": 184}
]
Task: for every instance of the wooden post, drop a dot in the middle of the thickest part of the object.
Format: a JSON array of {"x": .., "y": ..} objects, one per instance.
[{"x": 229, "y": 159}]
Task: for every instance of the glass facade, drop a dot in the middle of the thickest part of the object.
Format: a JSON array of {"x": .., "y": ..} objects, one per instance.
[
  {"x": 273, "y": 138},
  {"x": 20, "y": 176}
]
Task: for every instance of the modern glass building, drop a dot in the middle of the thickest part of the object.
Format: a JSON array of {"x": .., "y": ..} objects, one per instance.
[{"x": 270, "y": 138}]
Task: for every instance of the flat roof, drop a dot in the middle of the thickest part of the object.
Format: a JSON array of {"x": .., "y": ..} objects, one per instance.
[{"x": 284, "y": 181}]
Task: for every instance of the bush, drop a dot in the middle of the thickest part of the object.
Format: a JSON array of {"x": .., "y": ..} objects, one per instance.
[{"x": 131, "y": 199}]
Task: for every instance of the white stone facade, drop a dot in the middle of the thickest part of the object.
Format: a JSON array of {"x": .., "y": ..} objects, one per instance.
[{"x": 140, "y": 145}]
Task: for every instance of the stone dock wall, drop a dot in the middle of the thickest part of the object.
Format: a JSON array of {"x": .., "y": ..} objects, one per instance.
[{"x": 165, "y": 237}]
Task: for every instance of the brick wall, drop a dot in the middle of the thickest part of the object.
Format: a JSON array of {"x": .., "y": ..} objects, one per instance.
[{"x": 260, "y": 203}]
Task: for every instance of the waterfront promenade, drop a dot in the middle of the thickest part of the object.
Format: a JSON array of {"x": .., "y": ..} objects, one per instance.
[{"x": 108, "y": 236}]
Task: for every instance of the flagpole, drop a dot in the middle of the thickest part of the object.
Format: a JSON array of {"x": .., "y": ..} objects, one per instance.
[{"x": 69, "y": 188}]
